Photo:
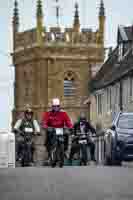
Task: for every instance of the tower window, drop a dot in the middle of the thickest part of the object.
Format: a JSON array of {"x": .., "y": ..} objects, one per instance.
[{"x": 69, "y": 85}]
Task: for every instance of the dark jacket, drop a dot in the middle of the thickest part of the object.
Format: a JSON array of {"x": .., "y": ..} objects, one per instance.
[{"x": 88, "y": 127}]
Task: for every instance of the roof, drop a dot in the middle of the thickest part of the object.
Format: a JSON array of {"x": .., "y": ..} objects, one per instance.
[
  {"x": 125, "y": 33},
  {"x": 116, "y": 71},
  {"x": 129, "y": 32},
  {"x": 112, "y": 70}
]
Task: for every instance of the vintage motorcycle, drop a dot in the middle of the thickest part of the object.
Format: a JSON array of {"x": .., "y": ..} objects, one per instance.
[
  {"x": 82, "y": 138},
  {"x": 57, "y": 147},
  {"x": 26, "y": 146}
]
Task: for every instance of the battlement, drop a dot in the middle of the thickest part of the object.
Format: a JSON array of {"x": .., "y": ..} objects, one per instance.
[
  {"x": 73, "y": 35},
  {"x": 55, "y": 35}
]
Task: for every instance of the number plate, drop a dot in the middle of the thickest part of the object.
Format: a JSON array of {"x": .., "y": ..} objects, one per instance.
[
  {"x": 59, "y": 131},
  {"x": 28, "y": 130},
  {"x": 82, "y": 142}
]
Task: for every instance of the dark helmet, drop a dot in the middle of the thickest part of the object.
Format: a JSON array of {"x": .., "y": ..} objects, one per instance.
[{"x": 82, "y": 117}]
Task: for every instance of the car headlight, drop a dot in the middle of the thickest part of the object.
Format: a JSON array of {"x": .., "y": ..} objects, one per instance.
[{"x": 123, "y": 135}]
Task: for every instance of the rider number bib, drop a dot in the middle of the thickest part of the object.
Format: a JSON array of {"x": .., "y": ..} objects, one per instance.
[
  {"x": 28, "y": 130},
  {"x": 59, "y": 131},
  {"x": 83, "y": 142}
]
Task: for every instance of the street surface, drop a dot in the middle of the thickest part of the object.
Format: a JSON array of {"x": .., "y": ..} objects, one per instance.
[{"x": 69, "y": 183}]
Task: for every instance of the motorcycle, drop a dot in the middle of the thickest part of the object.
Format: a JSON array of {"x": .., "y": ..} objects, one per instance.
[
  {"x": 57, "y": 148},
  {"x": 81, "y": 140},
  {"x": 26, "y": 154}
]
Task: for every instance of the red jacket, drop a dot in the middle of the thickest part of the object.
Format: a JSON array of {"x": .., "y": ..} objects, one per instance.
[{"x": 56, "y": 120}]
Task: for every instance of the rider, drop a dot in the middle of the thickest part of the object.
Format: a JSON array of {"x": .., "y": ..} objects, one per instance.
[
  {"x": 82, "y": 123},
  {"x": 55, "y": 118},
  {"x": 26, "y": 122}
]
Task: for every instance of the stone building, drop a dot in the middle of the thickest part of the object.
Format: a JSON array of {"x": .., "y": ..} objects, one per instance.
[
  {"x": 112, "y": 87},
  {"x": 54, "y": 63}
]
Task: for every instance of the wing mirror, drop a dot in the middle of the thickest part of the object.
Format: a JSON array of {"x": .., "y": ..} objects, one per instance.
[{"x": 113, "y": 127}]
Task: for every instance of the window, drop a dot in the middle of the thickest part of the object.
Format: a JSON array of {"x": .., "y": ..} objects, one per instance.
[
  {"x": 26, "y": 92},
  {"x": 68, "y": 88},
  {"x": 131, "y": 87},
  {"x": 120, "y": 53},
  {"x": 109, "y": 99},
  {"x": 99, "y": 104},
  {"x": 69, "y": 84}
]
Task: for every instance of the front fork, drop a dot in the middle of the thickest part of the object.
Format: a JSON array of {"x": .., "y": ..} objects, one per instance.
[
  {"x": 83, "y": 153},
  {"x": 57, "y": 152}
]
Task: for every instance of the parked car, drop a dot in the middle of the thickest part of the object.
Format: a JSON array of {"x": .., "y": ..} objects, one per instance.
[{"x": 118, "y": 141}]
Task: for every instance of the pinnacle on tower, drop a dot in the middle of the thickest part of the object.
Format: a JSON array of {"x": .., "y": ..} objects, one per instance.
[
  {"x": 39, "y": 15},
  {"x": 102, "y": 10},
  {"x": 101, "y": 35},
  {"x": 76, "y": 24},
  {"x": 16, "y": 16},
  {"x": 39, "y": 9}
]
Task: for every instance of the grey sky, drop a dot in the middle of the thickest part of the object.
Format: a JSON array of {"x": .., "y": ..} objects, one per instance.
[{"x": 117, "y": 12}]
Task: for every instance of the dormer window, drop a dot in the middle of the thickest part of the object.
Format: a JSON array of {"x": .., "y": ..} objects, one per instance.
[{"x": 120, "y": 51}]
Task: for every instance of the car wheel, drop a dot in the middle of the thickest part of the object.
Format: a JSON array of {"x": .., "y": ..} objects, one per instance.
[
  {"x": 118, "y": 163},
  {"x": 107, "y": 161},
  {"x": 115, "y": 161}
]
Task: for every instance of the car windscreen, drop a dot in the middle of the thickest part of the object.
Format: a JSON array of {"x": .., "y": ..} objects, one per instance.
[{"x": 125, "y": 122}]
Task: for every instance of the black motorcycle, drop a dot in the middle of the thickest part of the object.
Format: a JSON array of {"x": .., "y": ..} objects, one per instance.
[
  {"x": 81, "y": 141},
  {"x": 27, "y": 148},
  {"x": 57, "y": 147}
]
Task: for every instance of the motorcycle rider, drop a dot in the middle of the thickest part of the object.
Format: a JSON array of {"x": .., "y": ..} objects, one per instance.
[
  {"x": 26, "y": 121},
  {"x": 82, "y": 123},
  {"x": 55, "y": 118}
]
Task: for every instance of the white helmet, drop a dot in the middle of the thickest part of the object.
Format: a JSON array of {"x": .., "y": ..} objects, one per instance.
[{"x": 55, "y": 102}]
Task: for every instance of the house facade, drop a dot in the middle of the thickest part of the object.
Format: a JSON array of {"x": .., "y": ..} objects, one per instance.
[{"x": 112, "y": 87}]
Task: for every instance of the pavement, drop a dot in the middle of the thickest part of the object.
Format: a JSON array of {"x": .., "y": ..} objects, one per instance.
[{"x": 68, "y": 183}]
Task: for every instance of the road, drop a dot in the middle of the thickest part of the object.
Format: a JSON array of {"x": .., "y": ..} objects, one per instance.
[{"x": 69, "y": 183}]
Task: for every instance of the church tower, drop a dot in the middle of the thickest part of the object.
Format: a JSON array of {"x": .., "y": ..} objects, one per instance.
[{"x": 53, "y": 63}]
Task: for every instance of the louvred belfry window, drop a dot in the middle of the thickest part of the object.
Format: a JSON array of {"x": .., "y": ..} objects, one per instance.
[{"x": 69, "y": 85}]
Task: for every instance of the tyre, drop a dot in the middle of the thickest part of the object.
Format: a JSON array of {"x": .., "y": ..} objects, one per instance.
[
  {"x": 53, "y": 164},
  {"x": 60, "y": 154},
  {"x": 53, "y": 157},
  {"x": 61, "y": 164},
  {"x": 107, "y": 161},
  {"x": 115, "y": 160},
  {"x": 83, "y": 154}
]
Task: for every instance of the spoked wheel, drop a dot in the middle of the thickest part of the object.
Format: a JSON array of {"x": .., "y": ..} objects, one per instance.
[
  {"x": 25, "y": 161},
  {"x": 53, "y": 157},
  {"x": 61, "y": 164},
  {"x": 83, "y": 155},
  {"x": 60, "y": 155}
]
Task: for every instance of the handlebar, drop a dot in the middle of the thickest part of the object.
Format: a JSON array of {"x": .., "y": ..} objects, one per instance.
[
  {"x": 22, "y": 133},
  {"x": 53, "y": 128}
]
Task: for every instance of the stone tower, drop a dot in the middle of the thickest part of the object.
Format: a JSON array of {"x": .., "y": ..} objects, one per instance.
[{"x": 53, "y": 63}]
